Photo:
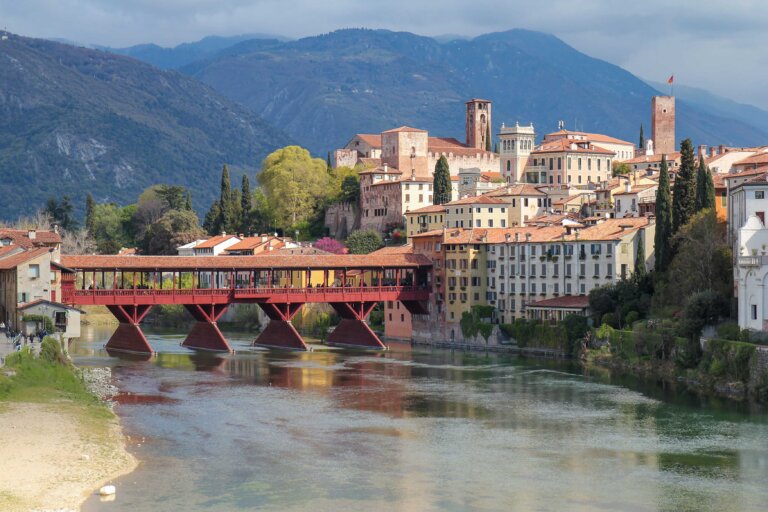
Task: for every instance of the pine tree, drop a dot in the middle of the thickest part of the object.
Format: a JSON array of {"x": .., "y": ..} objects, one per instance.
[
  {"x": 90, "y": 210},
  {"x": 642, "y": 137},
  {"x": 441, "y": 189},
  {"x": 661, "y": 244},
  {"x": 226, "y": 207},
  {"x": 246, "y": 204},
  {"x": 705, "y": 187},
  {"x": 488, "y": 137},
  {"x": 640, "y": 269},
  {"x": 684, "y": 194}
]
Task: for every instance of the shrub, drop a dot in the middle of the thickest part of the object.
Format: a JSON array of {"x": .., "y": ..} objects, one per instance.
[
  {"x": 729, "y": 331},
  {"x": 631, "y": 318},
  {"x": 610, "y": 319}
]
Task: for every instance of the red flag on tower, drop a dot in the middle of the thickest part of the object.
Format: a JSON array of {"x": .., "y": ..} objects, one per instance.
[{"x": 671, "y": 79}]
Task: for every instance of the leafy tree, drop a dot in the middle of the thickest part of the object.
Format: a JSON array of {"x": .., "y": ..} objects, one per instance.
[
  {"x": 111, "y": 228},
  {"x": 705, "y": 187},
  {"x": 684, "y": 196},
  {"x": 662, "y": 239},
  {"x": 702, "y": 309},
  {"x": 175, "y": 197},
  {"x": 330, "y": 245},
  {"x": 350, "y": 189},
  {"x": 364, "y": 241},
  {"x": 642, "y": 138},
  {"x": 61, "y": 213},
  {"x": 295, "y": 185},
  {"x": 90, "y": 205},
  {"x": 77, "y": 241},
  {"x": 149, "y": 208},
  {"x": 441, "y": 188},
  {"x": 620, "y": 169},
  {"x": 702, "y": 261},
  {"x": 175, "y": 228},
  {"x": 488, "y": 137}
]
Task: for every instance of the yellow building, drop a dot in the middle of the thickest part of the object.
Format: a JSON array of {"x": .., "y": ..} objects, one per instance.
[
  {"x": 477, "y": 212},
  {"x": 428, "y": 218}
]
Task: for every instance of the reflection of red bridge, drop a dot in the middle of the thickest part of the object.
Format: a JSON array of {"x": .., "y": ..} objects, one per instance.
[{"x": 352, "y": 284}]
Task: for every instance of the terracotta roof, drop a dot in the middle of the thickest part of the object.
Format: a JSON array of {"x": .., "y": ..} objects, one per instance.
[
  {"x": 522, "y": 189},
  {"x": 214, "y": 241},
  {"x": 433, "y": 208},
  {"x": 477, "y": 99},
  {"x": 372, "y": 139},
  {"x": 635, "y": 189},
  {"x": 414, "y": 179},
  {"x": 564, "y": 145},
  {"x": 495, "y": 235},
  {"x": 21, "y": 238},
  {"x": 125, "y": 251},
  {"x": 745, "y": 174},
  {"x": 14, "y": 260},
  {"x": 565, "y": 302},
  {"x": 252, "y": 242},
  {"x": 760, "y": 178},
  {"x": 399, "y": 249},
  {"x": 476, "y": 200},
  {"x": 758, "y": 159},
  {"x": 490, "y": 176},
  {"x": 380, "y": 170},
  {"x": 610, "y": 229},
  {"x": 5, "y": 249},
  {"x": 303, "y": 251},
  {"x": 404, "y": 129},
  {"x": 445, "y": 142},
  {"x": 592, "y": 137},
  {"x": 52, "y": 303},
  {"x": 277, "y": 261},
  {"x": 675, "y": 155}
]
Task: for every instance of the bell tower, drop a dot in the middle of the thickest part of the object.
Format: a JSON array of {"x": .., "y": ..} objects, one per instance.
[
  {"x": 479, "y": 124},
  {"x": 515, "y": 146}
]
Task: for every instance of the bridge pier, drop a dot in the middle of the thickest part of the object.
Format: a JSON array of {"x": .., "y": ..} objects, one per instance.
[
  {"x": 128, "y": 336},
  {"x": 352, "y": 331},
  {"x": 280, "y": 332},
  {"x": 205, "y": 334}
]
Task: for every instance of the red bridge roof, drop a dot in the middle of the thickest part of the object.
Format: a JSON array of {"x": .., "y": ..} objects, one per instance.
[{"x": 186, "y": 263}]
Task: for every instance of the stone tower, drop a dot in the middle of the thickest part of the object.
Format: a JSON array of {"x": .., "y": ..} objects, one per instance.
[
  {"x": 478, "y": 123},
  {"x": 515, "y": 146},
  {"x": 663, "y": 124},
  {"x": 407, "y": 150}
]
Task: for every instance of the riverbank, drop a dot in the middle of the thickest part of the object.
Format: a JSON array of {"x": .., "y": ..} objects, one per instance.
[
  {"x": 57, "y": 454},
  {"x": 59, "y": 441}
]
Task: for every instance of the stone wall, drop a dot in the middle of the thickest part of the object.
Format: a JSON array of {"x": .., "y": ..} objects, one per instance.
[{"x": 341, "y": 219}]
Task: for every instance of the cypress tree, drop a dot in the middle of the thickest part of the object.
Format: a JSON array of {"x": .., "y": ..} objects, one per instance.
[
  {"x": 661, "y": 243},
  {"x": 246, "y": 204},
  {"x": 684, "y": 194},
  {"x": 642, "y": 137},
  {"x": 226, "y": 212},
  {"x": 705, "y": 187},
  {"x": 328, "y": 162},
  {"x": 441, "y": 188},
  {"x": 495, "y": 147},
  {"x": 90, "y": 211},
  {"x": 640, "y": 269},
  {"x": 188, "y": 201},
  {"x": 488, "y": 137}
]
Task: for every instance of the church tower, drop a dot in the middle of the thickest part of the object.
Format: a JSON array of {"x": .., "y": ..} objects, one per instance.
[
  {"x": 479, "y": 124},
  {"x": 515, "y": 146}
]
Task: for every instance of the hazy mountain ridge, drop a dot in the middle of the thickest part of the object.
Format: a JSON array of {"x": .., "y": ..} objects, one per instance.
[
  {"x": 323, "y": 89},
  {"x": 74, "y": 120}
]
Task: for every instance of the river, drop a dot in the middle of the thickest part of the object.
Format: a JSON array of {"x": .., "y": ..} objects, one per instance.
[{"x": 418, "y": 429}]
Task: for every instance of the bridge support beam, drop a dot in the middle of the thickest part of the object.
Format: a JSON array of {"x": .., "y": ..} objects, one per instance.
[
  {"x": 280, "y": 332},
  {"x": 128, "y": 336},
  {"x": 205, "y": 334},
  {"x": 352, "y": 331}
]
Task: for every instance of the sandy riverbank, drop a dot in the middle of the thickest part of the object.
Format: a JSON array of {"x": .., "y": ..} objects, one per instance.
[{"x": 53, "y": 456}]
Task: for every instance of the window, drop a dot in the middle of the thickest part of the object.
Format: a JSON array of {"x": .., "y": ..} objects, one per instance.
[
  {"x": 597, "y": 269},
  {"x": 610, "y": 270},
  {"x": 34, "y": 271},
  {"x": 754, "y": 312},
  {"x": 759, "y": 194}
]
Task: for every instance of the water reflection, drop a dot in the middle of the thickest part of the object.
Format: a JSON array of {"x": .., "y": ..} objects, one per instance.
[{"x": 415, "y": 429}]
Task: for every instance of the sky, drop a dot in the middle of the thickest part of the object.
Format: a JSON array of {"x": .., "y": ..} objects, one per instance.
[{"x": 712, "y": 44}]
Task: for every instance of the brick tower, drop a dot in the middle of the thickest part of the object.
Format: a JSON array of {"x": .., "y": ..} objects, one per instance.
[
  {"x": 663, "y": 124},
  {"x": 478, "y": 123}
]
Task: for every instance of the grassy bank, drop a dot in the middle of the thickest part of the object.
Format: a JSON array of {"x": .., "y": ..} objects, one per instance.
[{"x": 59, "y": 441}]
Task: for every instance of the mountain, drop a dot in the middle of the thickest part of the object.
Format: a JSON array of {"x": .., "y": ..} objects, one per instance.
[
  {"x": 74, "y": 120},
  {"x": 724, "y": 107},
  {"x": 185, "y": 53},
  {"x": 321, "y": 90}
]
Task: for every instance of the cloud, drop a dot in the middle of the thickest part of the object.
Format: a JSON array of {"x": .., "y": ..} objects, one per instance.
[{"x": 716, "y": 45}]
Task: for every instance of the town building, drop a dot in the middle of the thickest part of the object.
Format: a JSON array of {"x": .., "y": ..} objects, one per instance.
[
  {"x": 476, "y": 211},
  {"x": 751, "y": 275},
  {"x": 746, "y": 197},
  {"x": 428, "y": 218},
  {"x": 254, "y": 245},
  {"x": 523, "y": 201},
  {"x": 473, "y": 182},
  {"x": 214, "y": 246},
  {"x": 635, "y": 201}
]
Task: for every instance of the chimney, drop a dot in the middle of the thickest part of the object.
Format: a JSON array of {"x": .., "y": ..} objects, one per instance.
[
  {"x": 386, "y": 167},
  {"x": 241, "y": 235},
  {"x": 32, "y": 234},
  {"x": 627, "y": 187},
  {"x": 713, "y": 151},
  {"x": 223, "y": 233},
  {"x": 56, "y": 228},
  {"x": 703, "y": 150},
  {"x": 527, "y": 237},
  {"x": 625, "y": 227},
  {"x": 507, "y": 237},
  {"x": 721, "y": 149},
  {"x": 517, "y": 237}
]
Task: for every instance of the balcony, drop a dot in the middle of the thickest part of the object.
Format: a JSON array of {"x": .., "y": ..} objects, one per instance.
[{"x": 752, "y": 261}]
